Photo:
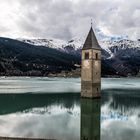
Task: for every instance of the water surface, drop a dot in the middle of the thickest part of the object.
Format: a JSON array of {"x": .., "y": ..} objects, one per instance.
[{"x": 59, "y": 113}]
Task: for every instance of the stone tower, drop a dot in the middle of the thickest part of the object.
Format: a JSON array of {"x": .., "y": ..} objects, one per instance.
[{"x": 91, "y": 67}]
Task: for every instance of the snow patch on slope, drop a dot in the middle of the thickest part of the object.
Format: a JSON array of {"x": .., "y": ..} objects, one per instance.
[
  {"x": 76, "y": 43},
  {"x": 52, "y": 43}
]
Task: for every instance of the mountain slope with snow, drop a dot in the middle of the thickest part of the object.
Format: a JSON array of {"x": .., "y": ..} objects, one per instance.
[
  {"x": 75, "y": 44},
  {"x": 120, "y": 54},
  {"x": 39, "y": 56}
]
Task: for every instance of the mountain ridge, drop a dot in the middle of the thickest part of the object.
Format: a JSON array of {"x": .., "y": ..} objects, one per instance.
[{"x": 119, "y": 57}]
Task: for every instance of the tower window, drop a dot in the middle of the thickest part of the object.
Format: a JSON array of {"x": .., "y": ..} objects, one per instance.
[
  {"x": 96, "y": 55},
  {"x": 97, "y": 89},
  {"x": 86, "y": 55}
]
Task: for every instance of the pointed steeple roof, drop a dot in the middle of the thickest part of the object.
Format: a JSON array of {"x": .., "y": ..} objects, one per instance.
[{"x": 91, "y": 41}]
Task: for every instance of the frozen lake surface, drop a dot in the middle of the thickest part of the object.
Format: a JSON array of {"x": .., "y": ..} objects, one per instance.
[{"x": 60, "y": 85}]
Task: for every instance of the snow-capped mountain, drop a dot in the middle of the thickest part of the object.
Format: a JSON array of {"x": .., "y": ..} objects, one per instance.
[
  {"x": 103, "y": 37},
  {"x": 52, "y": 43},
  {"x": 72, "y": 46},
  {"x": 118, "y": 52},
  {"x": 112, "y": 47},
  {"x": 42, "y": 56},
  {"x": 76, "y": 43}
]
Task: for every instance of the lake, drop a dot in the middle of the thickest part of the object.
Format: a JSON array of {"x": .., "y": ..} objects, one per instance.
[{"x": 52, "y": 108}]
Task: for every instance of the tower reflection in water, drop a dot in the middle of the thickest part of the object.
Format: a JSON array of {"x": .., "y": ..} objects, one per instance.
[{"x": 90, "y": 119}]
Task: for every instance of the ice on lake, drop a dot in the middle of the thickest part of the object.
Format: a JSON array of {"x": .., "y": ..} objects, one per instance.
[{"x": 60, "y": 85}]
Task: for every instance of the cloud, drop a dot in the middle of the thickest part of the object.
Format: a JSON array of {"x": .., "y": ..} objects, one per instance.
[
  {"x": 119, "y": 130},
  {"x": 65, "y": 19}
]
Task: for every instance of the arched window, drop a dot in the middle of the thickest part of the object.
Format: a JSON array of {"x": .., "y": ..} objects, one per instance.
[
  {"x": 86, "y": 55},
  {"x": 96, "y": 56},
  {"x": 97, "y": 89}
]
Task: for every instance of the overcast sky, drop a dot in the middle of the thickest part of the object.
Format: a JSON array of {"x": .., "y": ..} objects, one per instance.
[{"x": 64, "y": 19}]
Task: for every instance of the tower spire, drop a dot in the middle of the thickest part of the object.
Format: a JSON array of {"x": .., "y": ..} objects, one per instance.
[
  {"x": 91, "y": 41},
  {"x": 91, "y": 22}
]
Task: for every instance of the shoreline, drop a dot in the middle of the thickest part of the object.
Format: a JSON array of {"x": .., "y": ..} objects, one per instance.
[
  {"x": 20, "y": 138},
  {"x": 58, "y": 76}
]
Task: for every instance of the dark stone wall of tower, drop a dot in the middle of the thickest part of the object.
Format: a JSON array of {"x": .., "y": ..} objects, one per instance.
[{"x": 91, "y": 90}]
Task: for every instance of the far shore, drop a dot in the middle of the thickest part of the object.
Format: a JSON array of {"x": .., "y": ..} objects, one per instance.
[
  {"x": 64, "y": 76},
  {"x": 14, "y": 138}
]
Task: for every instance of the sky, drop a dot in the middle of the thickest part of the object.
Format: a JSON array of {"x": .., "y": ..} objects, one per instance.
[{"x": 65, "y": 19}]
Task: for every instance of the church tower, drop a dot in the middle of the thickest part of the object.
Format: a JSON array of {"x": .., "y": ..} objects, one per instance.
[{"x": 91, "y": 67}]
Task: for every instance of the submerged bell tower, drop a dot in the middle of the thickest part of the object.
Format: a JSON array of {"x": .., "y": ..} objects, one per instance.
[{"x": 91, "y": 67}]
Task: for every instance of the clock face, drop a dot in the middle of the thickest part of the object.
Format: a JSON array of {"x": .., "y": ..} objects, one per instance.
[{"x": 86, "y": 64}]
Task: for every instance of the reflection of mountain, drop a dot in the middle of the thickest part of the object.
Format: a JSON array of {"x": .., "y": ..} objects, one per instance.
[
  {"x": 125, "y": 102},
  {"x": 18, "y": 103},
  {"x": 90, "y": 119}
]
